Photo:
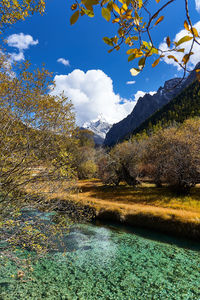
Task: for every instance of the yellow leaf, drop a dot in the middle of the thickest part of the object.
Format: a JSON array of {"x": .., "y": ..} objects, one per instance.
[
  {"x": 159, "y": 20},
  {"x": 89, "y": 3},
  {"x": 186, "y": 58},
  {"x": 195, "y": 32},
  {"x": 116, "y": 8},
  {"x": 134, "y": 72},
  {"x": 116, "y": 20},
  {"x": 124, "y": 7},
  {"x": 128, "y": 40},
  {"x": 74, "y": 6},
  {"x": 140, "y": 3},
  {"x": 157, "y": 1},
  {"x": 130, "y": 51},
  {"x": 156, "y": 62},
  {"x": 108, "y": 41},
  {"x": 106, "y": 13},
  {"x": 180, "y": 50},
  {"x": 136, "y": 19},
  {"x": 186, "y": 25},
  {"x": 154, "y": 51},
  {"x": 74, "y": 17},
  {"x": 172, "y": 57},
  {"x": 184, "y": 39},
  {"x": 138, "y": 54},
  {"x": 115, "y": 39},
  {"x": 89, "y": 13}
]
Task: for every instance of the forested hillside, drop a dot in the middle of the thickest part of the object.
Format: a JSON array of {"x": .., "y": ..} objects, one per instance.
[{"x": 185, "y": 105}]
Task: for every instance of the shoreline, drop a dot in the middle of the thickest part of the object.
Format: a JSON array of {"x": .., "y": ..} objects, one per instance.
[
  {"x": 171, "y": 226},
  {"x": 113, "y": 205}
]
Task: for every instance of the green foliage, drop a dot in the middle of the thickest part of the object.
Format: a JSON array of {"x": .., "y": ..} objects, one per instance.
[{"x": 185, "y": 105}]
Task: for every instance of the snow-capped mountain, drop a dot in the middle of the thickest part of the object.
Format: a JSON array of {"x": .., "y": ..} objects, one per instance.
[{"x": 99, "y": 127}]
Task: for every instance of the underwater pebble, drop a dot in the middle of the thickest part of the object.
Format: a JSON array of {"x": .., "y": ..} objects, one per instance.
[{"x": 107, "y": 264}]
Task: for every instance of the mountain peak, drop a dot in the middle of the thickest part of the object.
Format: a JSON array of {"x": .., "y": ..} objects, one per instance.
[
  {"x": 96, "y": 122},
  {"x": 99, "y": 127}
]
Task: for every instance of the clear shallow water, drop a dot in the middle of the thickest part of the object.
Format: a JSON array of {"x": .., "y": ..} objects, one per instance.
[{"x": 108, "y": 263}]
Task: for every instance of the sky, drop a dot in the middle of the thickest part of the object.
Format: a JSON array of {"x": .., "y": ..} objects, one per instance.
[{"x": 97, "y": 82}]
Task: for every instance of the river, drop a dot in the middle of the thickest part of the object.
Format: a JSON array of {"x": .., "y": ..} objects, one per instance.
[{"x": 109, "y": 262}]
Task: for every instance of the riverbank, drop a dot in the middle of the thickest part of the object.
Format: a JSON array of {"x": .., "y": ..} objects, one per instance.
[{"x": 145, "y": 206}]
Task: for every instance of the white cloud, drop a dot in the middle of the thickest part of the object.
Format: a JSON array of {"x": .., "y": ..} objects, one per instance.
[
  {"x": 138, "y": 95},
  {"x": 194, "y": 59},
  {"x": 17, "y": 56},
  {"x": 92, "y": 95},
  {"x": 21, "y": 41},
  {"x": 141, "y": 94},
  {"x": 63, "y": 61},
  {"x": 152, "y": 93},
  {"x": 197, "y": 5},
  {"x": 130, "y": 82}
]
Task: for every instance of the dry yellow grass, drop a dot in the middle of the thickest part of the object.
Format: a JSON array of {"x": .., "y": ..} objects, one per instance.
[
  {"x": 145, "y": 199},
  {"x": 144, "y": 205}
]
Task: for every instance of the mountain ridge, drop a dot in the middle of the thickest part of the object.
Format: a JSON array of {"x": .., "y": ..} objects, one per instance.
[
  {"x": 147, "y": 106},
  {"x": 176, "y": 111}
]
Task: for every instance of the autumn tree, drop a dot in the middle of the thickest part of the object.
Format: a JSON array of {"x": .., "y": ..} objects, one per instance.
[
  {"x": 136, "y": 20},
  {"x": 120, "y": 164},
  {"x": 84, "y": 154},
  {"x": 182, "y": 169},
  {"x": 12, "y": 11},
  {"x": 172, "y": 155},
  {"x": 107, "y": 169},
  {"x": 153, "y": 157},
  {"x": 35, "y": 130}
]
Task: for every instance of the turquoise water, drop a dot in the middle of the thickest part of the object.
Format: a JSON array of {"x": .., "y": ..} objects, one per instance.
[{"x": 106, "y": 263}]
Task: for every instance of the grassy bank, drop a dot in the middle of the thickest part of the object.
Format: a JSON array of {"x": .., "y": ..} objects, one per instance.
[{"x": 145, "y": 205}]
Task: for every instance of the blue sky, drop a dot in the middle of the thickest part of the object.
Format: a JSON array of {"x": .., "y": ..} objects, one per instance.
[{"x": 80, "y": 48}]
